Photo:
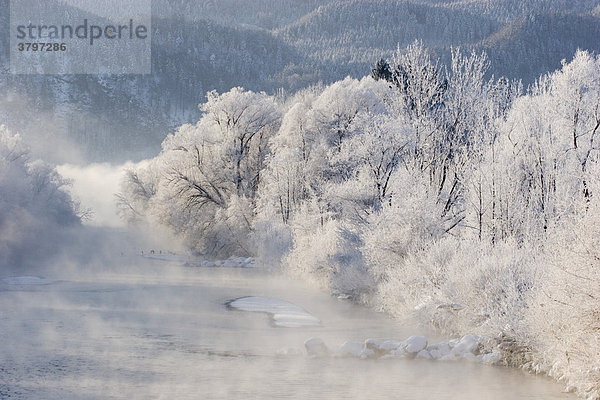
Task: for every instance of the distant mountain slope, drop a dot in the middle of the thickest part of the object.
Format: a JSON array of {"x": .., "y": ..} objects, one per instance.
[
  {"x": 536, "y": 43},
  {"x": 261, "y": 14},
  {"x": 507, "y": 10},
  {"x": 385, "y": 23},
  {"x": 347, "y": 36},
  {"x": 113, "y": 116},
  {"x": 271, "y": 44}
]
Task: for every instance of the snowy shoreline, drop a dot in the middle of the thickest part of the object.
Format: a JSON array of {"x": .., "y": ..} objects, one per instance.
[{"x": 470, "y": 347}]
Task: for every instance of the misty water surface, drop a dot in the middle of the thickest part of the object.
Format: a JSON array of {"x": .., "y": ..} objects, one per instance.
[{"x": 159, "y": 331}]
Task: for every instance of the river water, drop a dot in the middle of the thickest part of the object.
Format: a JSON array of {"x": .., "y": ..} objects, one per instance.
[{"x": 165, "y": 332}]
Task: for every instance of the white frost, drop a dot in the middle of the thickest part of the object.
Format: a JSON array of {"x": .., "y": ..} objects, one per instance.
[
  {"x": 283, "y": 313},
  {"x": 415, "y": 344},
  {"x": 424, "y": 354},
  {"x": 467, "y": 344},
  {"x": 469, "y": 347},
  {"x": 439, "y": 350},
  {"x": 351, "y": 349}
]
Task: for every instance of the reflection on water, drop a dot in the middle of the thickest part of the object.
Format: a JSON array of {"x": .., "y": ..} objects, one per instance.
[{"x": 165, "y": 333}]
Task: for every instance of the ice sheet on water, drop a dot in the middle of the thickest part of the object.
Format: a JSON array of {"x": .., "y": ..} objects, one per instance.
[{"x": 283, "y": 313}]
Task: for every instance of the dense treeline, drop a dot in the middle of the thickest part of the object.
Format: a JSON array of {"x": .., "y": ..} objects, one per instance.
[
  {"x": 508, "y": 10},
  {"x": 199, "y": 46},
  {"x": 34, "y": 207},
  {"x": 421, "y": 190}
]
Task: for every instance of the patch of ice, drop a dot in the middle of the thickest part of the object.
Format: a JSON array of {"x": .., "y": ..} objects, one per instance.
[
  {"x": 390, "y": 345},
  {"x": 424, "y": 354},
  {"x": 415, "y": 344},
  {"x": 439, "y": 350},
  {"x": 316, "y": 347},
  {"x": 369, "y": 349},
  {"x": 283, "y": 313},
  {"x": 26, "y": 280},
  {"x": 468, "y": 344},
  {"x": 398, "y": 353},
  {"x": 381, "y": 347},
  {"x": 367, "y": 353},
  {"x": 469, "y": 347},
  {"x": 351, "y": 349}
]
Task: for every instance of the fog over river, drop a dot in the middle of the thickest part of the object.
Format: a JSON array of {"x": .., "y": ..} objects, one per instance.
[{"x": 158, "y": 330}]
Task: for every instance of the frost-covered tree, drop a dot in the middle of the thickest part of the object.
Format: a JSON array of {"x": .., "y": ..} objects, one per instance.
[
  {"x": 421, "y": 89},
  {"x": 563, "y": 314},
  {"x": 241, "y": 122},
  {"x": 327, "y": 172},
  {"x": 34, "y": 205},
  {"x": 137, "y": 189},
  {"x": 203, "y": 184},
  {"x": 546, "y": 144},
  {"x": 370, "y": 157},
  {"x": 307, "y": 151},
  {"x": 293, "y": 168}
]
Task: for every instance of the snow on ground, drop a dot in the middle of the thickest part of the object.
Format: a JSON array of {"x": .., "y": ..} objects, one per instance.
[
  {"x": 469, "y": 347},
  {"x": 26, "y": 280},
  {"x": 234, "y": 262},
  {"x": 283, "y": 313}
]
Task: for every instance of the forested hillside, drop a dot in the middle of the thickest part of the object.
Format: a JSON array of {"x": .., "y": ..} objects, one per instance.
[
  {"x": 530, "y": 45},
  {"x": 115, "y": 116},
  {"x": 255, "y": 14},
  {"x": 508, "y": 10},
  {"x": 269, "y": 45},
  {"x": 344, "y": 37}
]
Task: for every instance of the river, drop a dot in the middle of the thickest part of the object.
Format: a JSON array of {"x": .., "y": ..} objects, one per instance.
[{"x": 164, "y": 332}]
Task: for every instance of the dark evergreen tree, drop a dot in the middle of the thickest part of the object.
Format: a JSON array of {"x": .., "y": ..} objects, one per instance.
[{"x": 382, "y": 71}]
